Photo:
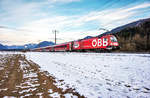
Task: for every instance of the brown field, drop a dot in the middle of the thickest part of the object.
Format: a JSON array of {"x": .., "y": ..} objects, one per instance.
[{"x": 22, "y": 78}]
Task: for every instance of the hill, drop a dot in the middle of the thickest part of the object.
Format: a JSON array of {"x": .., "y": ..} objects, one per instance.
[
  {"x": 44, "y": 44},
  {"x": 26, "y": 46},
  {"x": 30, "y": 46},
  {"x": 87, "y": 37},
  {"x": 2, "y": 47},
  {"x": 134, "y": 36},
  {"x": 130, "y": 25}
]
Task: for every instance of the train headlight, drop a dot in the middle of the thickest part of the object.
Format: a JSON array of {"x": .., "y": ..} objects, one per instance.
[{"x": 115, "y": 44}]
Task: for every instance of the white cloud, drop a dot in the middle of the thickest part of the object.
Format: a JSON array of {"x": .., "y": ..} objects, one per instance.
[
  {"x": 8, "y": 36},
  {"x": 17, "y": 11},
  {"x": 41, "y": 28},
  {"x": 144, "y": 5},
  {"x": 63, "y": 1},
  {"x": 107, "y": 19},
  {"x": 112, "y": 18}
]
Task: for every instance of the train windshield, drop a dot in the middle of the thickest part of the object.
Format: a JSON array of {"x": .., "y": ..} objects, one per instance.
[{"x": 113, "y": 39}]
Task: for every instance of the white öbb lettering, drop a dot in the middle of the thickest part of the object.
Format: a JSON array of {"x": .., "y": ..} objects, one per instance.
[{"x": 99, "y": 42}]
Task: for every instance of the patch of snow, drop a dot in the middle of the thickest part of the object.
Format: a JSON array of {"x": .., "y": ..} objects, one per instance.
[
  {"x": 9, "y": 97},
  {"x": 40, "y": 94},
  {"x": 50, "y": 91},
  {"x": 31, "y": 79},
  {"x": 23, "y": 64},
  {"x": 96, "y": 75},
  {"x": 70, "y": 96},
  {"x": 28, "y": 95},
  {"x": 1, "y": 68},
  {"x": 10, "y": 52},
  {"x": 54, "y": 95},
  {"x": 27, "y": 90},
  {"x": 3, "y": 89}
]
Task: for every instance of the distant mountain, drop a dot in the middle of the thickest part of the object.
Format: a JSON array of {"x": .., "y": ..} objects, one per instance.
[
  {"x": 2, "y": 47},
  {"x": 26, "y": 46},
  {"x": 15, "y": 47},
  {"x": 44, "y": 44},
  {"x": 87, "y": 37},
  {"x": 130, "y": 25},
  {"x": 30, "y": 46}
]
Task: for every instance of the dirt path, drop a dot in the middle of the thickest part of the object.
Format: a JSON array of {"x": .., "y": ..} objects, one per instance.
[{"x": 22, "y": 78}]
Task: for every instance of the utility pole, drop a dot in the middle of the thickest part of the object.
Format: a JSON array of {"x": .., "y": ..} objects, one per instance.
[{"x": 55, "y": 31}]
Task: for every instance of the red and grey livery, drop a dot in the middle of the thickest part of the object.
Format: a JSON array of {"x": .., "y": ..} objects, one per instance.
[{"x": 106, "y": 42}]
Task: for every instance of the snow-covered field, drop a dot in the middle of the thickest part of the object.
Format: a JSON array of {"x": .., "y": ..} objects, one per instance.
[{"x": 115, "y": 75}]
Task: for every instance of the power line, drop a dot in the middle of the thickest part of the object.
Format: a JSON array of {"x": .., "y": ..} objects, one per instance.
[{"x": 104, "y": 29}]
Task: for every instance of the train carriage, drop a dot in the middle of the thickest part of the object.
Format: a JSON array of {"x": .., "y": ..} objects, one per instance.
[{"x": 106, "y": 42}]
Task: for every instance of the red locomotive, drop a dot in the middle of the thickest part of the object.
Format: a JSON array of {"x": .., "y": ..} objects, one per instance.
[{"x": 100, "y": 43}]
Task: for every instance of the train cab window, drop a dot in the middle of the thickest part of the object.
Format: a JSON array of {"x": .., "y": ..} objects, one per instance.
[
  {"x": 105, "y": 39},
  {"x": 113, "y": 39}
]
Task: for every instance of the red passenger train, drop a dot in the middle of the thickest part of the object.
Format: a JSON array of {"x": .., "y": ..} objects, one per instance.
[{"x": 101, "y": 43}]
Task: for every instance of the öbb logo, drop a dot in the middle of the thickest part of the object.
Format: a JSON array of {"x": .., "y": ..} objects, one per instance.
[
  {"x": 76, "y": 44},
  {"x": 100, "y": 42}
]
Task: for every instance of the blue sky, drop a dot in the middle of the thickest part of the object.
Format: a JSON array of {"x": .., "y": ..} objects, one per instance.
[{"x": 32, "y": 21}]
